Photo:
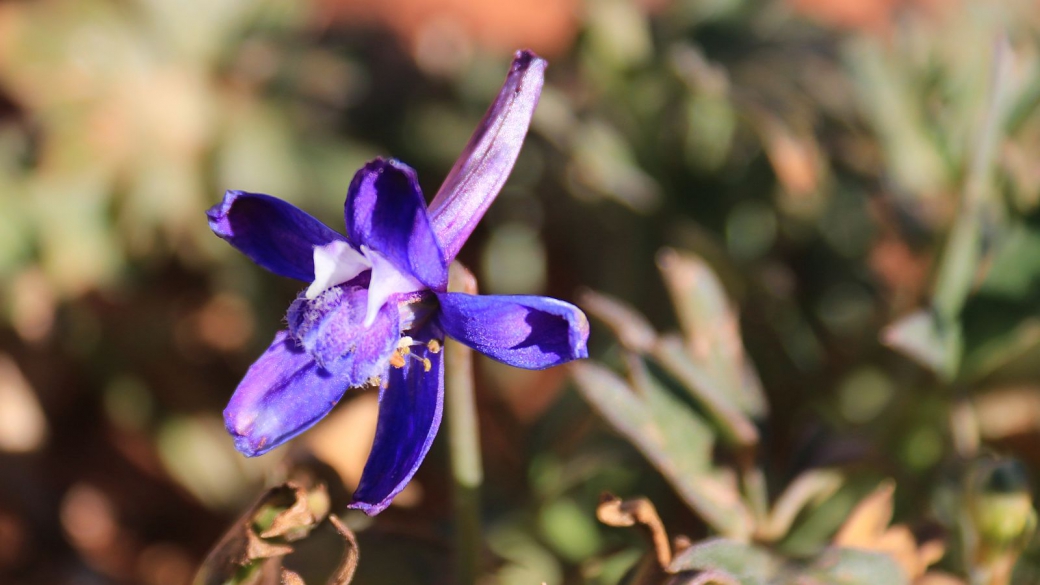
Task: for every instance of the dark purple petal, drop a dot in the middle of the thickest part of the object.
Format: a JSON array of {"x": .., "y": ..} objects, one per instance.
[
  {"x": 485, "y": 163},
  {"x": 273, "y": 233},
  {"x": 331, "y": 328},
  {"x": 409, "y": 414},
  {"x": 386, "y": 212},
  {"x": 524, "y": 331},
  {"x": 283, "y": 394}
]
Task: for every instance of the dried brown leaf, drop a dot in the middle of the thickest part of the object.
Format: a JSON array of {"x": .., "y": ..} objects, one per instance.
[
  {"x": 867, "y": 528},
  {"x": 241, "y": 545},
  {"x": 613, "y": 511},
  {"x": 869, "y": 519},
  {"x": 258, "y": 548},
  {"x": 288, "y": 523},
  {"x": 351, "y": 553}
]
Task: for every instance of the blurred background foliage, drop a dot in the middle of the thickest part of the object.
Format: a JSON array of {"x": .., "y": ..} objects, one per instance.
[{"x": 829, "y": 208}]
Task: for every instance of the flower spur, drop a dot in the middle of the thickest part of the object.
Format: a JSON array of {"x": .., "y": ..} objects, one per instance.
[{"x": 377, "y": 308}]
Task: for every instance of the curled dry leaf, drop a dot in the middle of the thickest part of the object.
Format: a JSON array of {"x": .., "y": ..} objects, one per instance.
[
  {"x": 613, "y": 511},
  {"x": 281, "y": 514},
  {"x": 351, "y": 553},
  {"x": 292, "y": 523},
  {"x": 258, "y": 549}
]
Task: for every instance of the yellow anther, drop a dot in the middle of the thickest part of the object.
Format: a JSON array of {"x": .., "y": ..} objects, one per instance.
[
  {"x": 426, "y": 364},
  {"x": 433, "y": 345},
  {"x": 397, "y": 360},
  {"x": 404, "y": 350}
]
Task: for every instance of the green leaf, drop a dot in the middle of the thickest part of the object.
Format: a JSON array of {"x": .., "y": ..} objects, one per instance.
[
  {"x": 849, "y": 566},
  {"x": 912, "y": 158},
  {"x": 1000, "y": 321},
  {"x": 959, "y": 266},
  {"x": 808, "y": 489},
  {"x": 711, "y": 328},
  {"x": 602, "y": 161},
  {"x": 750, "y": 564},
  {"x": 673, "y": 438},
  {"x": 737, "y": 428}
]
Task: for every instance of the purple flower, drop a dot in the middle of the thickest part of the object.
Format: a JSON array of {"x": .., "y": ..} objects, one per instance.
[{"x": 377, "y": 308}]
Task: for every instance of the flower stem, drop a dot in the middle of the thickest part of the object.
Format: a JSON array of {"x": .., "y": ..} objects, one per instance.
[{"x": 463, "y": 441}]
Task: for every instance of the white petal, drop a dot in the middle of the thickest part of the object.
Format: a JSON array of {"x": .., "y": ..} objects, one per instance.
[
  {"x": 387, "y": 280},
  {"x": 335, "y": 263}
]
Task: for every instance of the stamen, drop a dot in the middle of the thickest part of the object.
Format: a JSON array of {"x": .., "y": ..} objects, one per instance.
[
  {"x": 433, "y": 345},
  {"x": 397, "y": 360},
  {"x": 406, "y": 352}
]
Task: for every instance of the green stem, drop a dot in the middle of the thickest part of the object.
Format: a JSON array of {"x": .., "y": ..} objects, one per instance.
[{"x": 463, "y": 441}]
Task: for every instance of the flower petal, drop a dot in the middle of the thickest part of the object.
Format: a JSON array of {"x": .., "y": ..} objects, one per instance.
[
  {"x": 386, "y": 283},
  {"x": 335, "y": 263},
  {"x": 283, "y": 394},
  {"x": 528, "y": 332},
  {"x": 332, "y": 328},
  {"x": 386, "y": 212},
  {"x": 485, "y": 163},
  {"x": 409, "y": 415},
  {"x": 273, "y": 233}
]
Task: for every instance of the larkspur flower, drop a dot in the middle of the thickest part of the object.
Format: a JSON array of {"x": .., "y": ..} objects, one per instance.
[{"x": 377, "y": 308}]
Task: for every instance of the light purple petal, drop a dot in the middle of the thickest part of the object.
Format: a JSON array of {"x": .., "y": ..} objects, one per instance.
[
  {"x": 283, "y": 394},
  {"x": 386, "y": 212},
  {"x": 409, "y": 415},
  {"x": 273, "y": 233},
  {"x": 528, "y": 332},
  {"x": 485, "y": 163},
  {"x": 331, "y": 328}
]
